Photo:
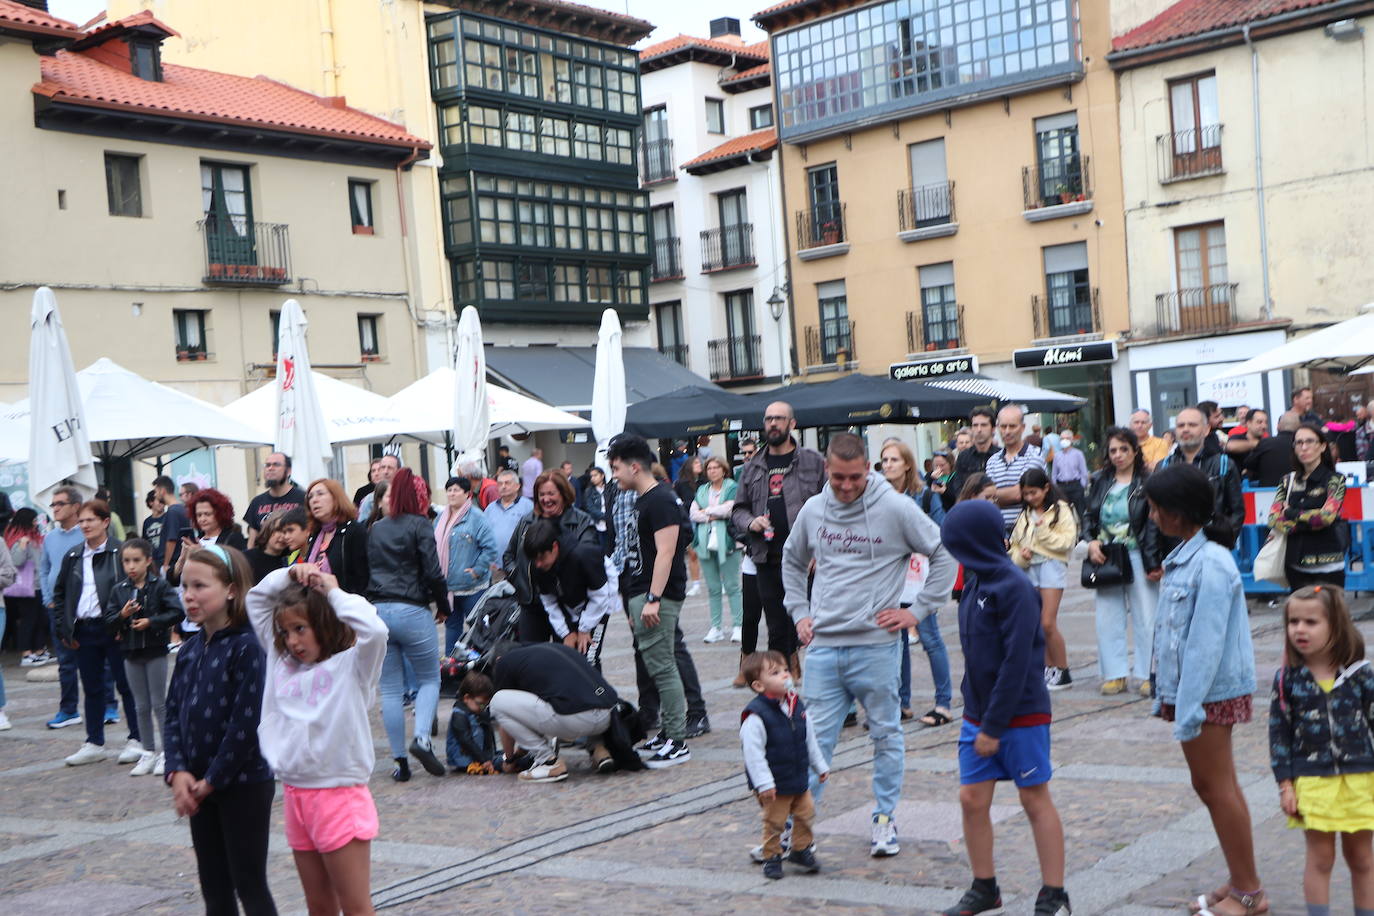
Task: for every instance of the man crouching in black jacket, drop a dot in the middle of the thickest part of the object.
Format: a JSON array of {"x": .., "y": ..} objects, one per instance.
[{"x": 547, "y": 692}]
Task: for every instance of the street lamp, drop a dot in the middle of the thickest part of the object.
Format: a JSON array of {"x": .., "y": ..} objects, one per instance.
[{"x": 776, "y": 304}]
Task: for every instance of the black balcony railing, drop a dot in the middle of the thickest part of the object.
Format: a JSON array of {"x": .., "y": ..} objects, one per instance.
[
  {"x": 1055, "y": 182},
  {"x": 676, "y": 352},
  {"x": 1076, "y": 311},
  {"x": 727, "y": 247},
  {"x": 736, "y": 357},
  {"x": 239, "y": 252},
  {"x": 831, "y": 341},
  {"x": 819, "y": 226},
  {"x": 928, "y": 205},
  {"x": 1189, "y": 153},
  {"x": 1196, "y": 310},
  {"x": 935, "y": 328},
  {"x": 667, "y": 260},
  {"x": 656, "y": 160}
]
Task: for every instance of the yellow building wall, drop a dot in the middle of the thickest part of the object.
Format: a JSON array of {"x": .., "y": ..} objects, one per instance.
[
  {"x": 1318, "y": 174},
  {"x": 996, "y": 252}
]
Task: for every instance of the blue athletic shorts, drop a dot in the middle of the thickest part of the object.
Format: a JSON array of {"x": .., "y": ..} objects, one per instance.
[{"x": 1023, "y": 757}]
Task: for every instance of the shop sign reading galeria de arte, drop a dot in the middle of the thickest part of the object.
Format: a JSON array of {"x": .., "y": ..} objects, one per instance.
[{"x": 1101, "y": 351}]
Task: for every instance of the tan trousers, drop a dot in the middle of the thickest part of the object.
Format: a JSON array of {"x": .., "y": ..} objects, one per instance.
[{"x": 775, "y": 813}]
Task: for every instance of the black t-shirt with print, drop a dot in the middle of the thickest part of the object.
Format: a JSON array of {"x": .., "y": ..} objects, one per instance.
[
  {"x": 264, "y": 504},
  {"x": 655, "y": 510},
  {"x": 779, "y": 466}
]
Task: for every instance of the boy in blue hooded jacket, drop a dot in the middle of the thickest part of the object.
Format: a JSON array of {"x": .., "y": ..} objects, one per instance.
[{"x": 1006, "y": 729}]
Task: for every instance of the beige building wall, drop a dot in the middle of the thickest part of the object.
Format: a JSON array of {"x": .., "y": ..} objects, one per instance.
[
  {"x": 996, "y": 253},
  {"x": 118, "y": 279},
  {"x": 1318, "y": 173}
]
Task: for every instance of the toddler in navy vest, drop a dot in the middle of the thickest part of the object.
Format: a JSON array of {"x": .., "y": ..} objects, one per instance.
[{"x": 780, "y": 751}]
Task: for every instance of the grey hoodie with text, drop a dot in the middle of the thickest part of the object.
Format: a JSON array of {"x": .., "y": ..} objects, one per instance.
[{"x": 861, "y": 551}]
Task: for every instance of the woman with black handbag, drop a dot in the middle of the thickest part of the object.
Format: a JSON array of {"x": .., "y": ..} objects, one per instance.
[
  {"x": 1307, "y": 508},
  {"x": 1124, "y": 564}
]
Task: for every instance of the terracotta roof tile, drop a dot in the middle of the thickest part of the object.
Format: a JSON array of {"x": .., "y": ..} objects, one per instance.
[
  {"x": 757, "y": 142},
  {"x": 20, "y": 18},
  {"x": 89, "y": 78},
  {"x": 1193, "y": 17},
  {"x": 779, "y": 8},
  {"x": 751, "y": 73},
  {"x": 680, "y": 42}
]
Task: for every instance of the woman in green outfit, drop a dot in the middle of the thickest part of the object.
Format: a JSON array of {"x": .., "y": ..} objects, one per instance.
[{"x": 720, "y": 555}]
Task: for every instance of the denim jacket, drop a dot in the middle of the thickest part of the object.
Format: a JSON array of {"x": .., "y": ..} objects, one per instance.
[
  {"x": 471, "y": 545},
  {"x": 1202, "y": 634},
  {"x": 1315, "y": 733}
]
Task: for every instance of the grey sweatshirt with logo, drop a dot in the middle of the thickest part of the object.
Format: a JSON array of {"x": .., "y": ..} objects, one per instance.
[{"x": 861, "y": 551}]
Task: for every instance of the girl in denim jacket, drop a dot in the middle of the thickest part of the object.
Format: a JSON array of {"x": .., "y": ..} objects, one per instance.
[
  {"x": 1205, "y": 669},
  {"x": 1320, "y": 744}
]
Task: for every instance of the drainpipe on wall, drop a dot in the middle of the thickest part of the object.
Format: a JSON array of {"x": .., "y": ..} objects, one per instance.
[
  {"x": 415, "y": 344},
  {"x": 1259, "y": 171}
]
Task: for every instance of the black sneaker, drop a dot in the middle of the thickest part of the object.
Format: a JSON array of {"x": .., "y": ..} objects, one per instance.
[
  {"x": 425, "y": 754},
  {"x": 805, "y": 859},
  {"x": 697, "y": 727},
  {"x": 772, "y": 867},
  {"x": 653, "y": 744},
  {"x": 851, "y": 720},
  {"x": 976, "y": 902},
  {"x": 669, "y": 754},
  {"x": 1058, "y": 679},
  {"x": 1052, "y": 903}
]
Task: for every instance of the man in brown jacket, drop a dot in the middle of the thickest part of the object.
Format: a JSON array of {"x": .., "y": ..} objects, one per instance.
[{"x": 773, "y": 486}]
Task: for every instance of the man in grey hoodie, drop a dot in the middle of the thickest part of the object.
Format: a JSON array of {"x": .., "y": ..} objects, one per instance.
[{"x": 861, "y": 534}]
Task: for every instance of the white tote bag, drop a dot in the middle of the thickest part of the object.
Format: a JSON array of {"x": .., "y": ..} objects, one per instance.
[{"x": 1269, "y": 562}]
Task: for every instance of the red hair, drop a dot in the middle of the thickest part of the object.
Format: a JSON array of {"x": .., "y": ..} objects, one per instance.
[
  {"x": 409, "y": 494},
  {"x": 219, "y": 504},
  {"x": 344, "y": 510}
]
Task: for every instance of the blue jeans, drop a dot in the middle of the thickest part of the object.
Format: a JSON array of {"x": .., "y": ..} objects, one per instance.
[
  {"x": 835, "y": 678},
  {"x": 453, "y": 626},
  {"x": 928, "y": 631},
  {"x": 66, "y": 670},
  {"x": 97, "y": 654},
  {"x": 411, "y": 635}
]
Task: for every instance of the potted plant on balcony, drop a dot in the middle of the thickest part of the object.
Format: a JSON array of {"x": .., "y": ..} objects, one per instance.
[
  {"x": 830, "y": 232},
  {"x": 1065, "y": 193}
]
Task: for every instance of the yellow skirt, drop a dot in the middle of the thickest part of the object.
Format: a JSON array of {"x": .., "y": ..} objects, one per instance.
[{"x": 1335, "y": 804}]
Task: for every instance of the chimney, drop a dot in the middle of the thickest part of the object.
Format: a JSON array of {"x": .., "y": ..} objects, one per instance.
[
  {"x": 34, "y": 4},
  {"x": 724, "y": 26}
]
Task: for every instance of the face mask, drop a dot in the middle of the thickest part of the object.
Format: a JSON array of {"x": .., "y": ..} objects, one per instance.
[{"x": 787, "y": 684}]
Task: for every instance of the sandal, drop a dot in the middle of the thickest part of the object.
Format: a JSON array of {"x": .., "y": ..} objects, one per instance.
[
  {"x": 1255, "y": 903},
  {"x": 1206, "y": 900},
  {"x": 935, "y": 718}
]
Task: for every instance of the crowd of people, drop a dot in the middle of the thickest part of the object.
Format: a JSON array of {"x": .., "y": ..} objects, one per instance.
[{"x": 288, "y": 629}]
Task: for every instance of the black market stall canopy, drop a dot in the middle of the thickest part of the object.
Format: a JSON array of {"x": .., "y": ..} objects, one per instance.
[
  {"x": 692, "y": 411},
  {"x": 859, "y": 400},
  {"x": 562, "y": 376},
  {"x": 1035, "y": 400}
]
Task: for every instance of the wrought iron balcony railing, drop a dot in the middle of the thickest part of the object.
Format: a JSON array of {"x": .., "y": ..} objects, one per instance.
[
  {"x": 935, "y": 328},
  {"x": 727, "y": 247},
  {"x": 241, "y": 252},
  {"x": 926, "y": 206},
  {"x": 736, "y": 357},
  {"x": 1190, "y": 153},
  {"x": 1196, "y": 310},
  {"x": 1064, "y": 316}
]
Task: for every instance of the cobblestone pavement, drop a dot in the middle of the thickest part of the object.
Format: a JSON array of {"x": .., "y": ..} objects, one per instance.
[{"x": 1139, "y": 842}]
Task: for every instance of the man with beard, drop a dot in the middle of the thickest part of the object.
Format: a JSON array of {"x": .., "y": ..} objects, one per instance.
[
  {"x": 974, "y": 459},
  {"x": 281, "y": 493},
  {"x": 773, "y": 486},
  {"x": 1193, "y": 429}
]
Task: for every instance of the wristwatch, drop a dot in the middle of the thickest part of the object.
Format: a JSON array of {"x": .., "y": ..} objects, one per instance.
[{"x": 651, "y": 598}]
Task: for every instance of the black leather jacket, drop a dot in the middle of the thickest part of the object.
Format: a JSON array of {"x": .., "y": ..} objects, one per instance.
[
  {"x": 1142, "y": 529},
  {"x": 403, "y": 563},
  {"x": 575, "y": 526},
  {"x": 158, "y": 602},
  {"x": 347, "y": 553},
  {"x": 67, "y": 590}
]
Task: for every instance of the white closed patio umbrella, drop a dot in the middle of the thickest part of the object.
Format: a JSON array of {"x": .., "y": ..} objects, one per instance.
[
  {"x": 1345, "y": 346},
  {"x": 608, "y": 387},
  {"x": 59, "y": 443},
  {"x": 471, "y": 426},
  {"x": 301, "y": 432}
]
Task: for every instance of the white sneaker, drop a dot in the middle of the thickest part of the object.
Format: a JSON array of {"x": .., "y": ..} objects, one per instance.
[
  {"x": 160, "y": 766},
  {"x": 735, "y": 635},
  {"x": 133, "y": 750},
  {"x": 144, "y": 765},
  {"x": 694, "y": 588},
  {"x": 4, "y": 722},
  {"x": 88, "y": 753},
  {"x": 713, "y": 635},
  {"x": 884, "y": 837}
]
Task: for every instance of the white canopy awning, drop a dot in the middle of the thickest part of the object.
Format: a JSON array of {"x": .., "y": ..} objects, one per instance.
[
  {"x": 129, "y": 416},
  {"x": 351, "y": 414},
  {"x": 1345, "y": 346},
  {"x": 425, "y": 409}
]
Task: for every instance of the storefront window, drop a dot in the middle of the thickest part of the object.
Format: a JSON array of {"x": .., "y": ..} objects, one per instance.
[{"x": 1094, "y": 383}]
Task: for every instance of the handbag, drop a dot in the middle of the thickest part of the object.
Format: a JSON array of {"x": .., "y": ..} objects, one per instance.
[
  {"x": 713, "y": 538},
  {"x": 1271, "y": 562},
  {"x": 1114, "y": 570}
]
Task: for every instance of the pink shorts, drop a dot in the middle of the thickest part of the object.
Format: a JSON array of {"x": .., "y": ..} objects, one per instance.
[{"x": 323, "y": 820}]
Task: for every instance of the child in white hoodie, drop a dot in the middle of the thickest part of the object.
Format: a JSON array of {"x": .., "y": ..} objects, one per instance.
[{"x": 325, "y": 649}]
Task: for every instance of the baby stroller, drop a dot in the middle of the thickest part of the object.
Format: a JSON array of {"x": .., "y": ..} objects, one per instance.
[{"x": 494, "y": 618}]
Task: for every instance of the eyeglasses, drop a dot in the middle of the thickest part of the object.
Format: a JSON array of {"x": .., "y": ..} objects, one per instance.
[
  {"x": 56, "y": 505},
  {"x": 775, "y": 419}
]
